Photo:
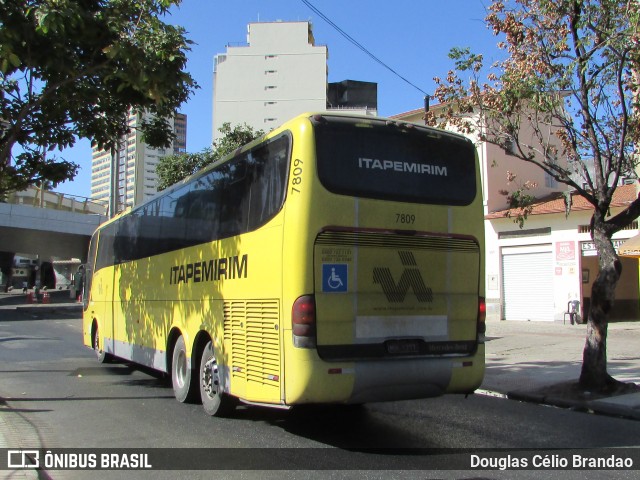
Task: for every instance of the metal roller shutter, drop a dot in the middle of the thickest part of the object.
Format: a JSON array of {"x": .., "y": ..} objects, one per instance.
[{"x": 527, "y": 286}]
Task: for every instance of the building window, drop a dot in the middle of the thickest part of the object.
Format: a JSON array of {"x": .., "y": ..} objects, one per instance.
[
  {"x": 533, "y": 232},
  {"x": 509, "y": 146},
  {"x": 549, "y": 181},
  {"x": 632, "y": 226}
]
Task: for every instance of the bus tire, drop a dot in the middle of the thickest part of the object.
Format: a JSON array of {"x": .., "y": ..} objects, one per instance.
[
  {"x": 214, "y": 400},
  {"x": 101, "y": 355},
  {"x": 182, "y": 378}
]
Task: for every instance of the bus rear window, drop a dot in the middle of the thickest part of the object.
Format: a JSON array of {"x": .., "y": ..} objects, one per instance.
[{"x": 373, "y": 159}]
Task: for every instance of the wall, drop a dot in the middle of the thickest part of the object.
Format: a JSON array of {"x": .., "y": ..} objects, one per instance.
[
  {"x": 569, "y": 260},
  {"x": 278, "y": 76},
  {"x": 626, "y": 305}
]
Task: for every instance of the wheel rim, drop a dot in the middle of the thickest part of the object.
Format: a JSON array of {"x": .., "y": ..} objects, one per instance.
[
  {"x": 210, "y": 378},
  {"x": 181, "y": 369}
]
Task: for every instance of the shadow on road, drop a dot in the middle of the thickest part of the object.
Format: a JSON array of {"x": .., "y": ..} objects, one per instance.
[{"x": 351, "y": 427}]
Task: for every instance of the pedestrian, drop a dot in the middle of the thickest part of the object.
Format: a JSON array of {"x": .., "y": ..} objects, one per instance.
[{"x": 78, "y": 282}]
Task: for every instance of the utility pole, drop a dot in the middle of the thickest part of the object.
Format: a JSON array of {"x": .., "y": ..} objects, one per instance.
[
  {"x": 427, "y": 98},
  {"x": 113, "y": 194}
]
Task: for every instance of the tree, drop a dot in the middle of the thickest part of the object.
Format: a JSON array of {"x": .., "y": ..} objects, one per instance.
[
  {"x": 173, "y": 168},
  {"x": 71, "y": 69},
  {"x": 570, "y": 75}
]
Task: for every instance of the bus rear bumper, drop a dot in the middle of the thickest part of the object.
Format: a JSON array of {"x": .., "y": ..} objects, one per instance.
[{"x": 388, "y": 380}]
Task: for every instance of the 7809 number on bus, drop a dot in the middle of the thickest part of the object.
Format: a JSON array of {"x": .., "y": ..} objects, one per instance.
[
  {"x": 405, "y": 218},
  {"x": 297, "y": 176}
]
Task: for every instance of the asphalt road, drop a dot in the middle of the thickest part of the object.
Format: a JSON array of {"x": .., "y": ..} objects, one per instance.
[{"x": 54, "y": 394}]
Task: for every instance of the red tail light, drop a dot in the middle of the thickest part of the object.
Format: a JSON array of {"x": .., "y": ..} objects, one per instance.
[
  {"x": 482, "y": 315},
  {"x": 303, "y": 322}
]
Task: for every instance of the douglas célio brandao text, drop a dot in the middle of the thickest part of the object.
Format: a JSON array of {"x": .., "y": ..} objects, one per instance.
[{"x": 560, "y": 461}]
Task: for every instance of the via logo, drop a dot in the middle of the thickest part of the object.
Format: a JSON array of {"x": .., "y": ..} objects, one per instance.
[{"x": 410, "y": 278}]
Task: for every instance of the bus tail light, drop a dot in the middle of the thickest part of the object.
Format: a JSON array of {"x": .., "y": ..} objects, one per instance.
[
  {"x": 303, "y": 322},
  {"x": 482, "y": 316}
]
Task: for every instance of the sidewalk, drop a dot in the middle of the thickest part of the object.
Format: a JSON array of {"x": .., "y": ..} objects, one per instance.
[
  {"x": 528, "y": 361},
  {"x": 57, "y": 301},
  {"x": 540, "y": 362}
]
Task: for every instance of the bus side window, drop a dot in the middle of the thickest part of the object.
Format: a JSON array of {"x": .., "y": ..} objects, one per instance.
[
  {"x": 268, "y": 182},
  {"x": 126, "y": 243},
  {"x": 234, "y": 208},
  {"x": 204, "y": 210},
  {"x": 149, "y": 230},
  {"x": 173, "y": 207},
  {"x": 105, "y": 256}
]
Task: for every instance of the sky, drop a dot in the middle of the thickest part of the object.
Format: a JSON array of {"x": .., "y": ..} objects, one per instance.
[{"x": 413, "y": 37}]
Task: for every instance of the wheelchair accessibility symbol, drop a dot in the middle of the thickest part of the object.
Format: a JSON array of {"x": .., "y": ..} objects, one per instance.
[{"x": 334, "y": 277}]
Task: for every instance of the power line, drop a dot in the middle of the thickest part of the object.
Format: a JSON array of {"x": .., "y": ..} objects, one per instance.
[{"x": 359, "y": 45}]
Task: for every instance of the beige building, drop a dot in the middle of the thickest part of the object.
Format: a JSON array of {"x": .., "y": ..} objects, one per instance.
[
  {"x": 128, "y": 177},
  {"x": 279, "y": 74},
  {"x": 535, "y": 271}
]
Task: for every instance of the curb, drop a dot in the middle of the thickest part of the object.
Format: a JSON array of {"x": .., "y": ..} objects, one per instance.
[
  {"x": 601, "y": 407},
  {"x": 46, "y": 308},
  {"x": 49, "y": 308}
]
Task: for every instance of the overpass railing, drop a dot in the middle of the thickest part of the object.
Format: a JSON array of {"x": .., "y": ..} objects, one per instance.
[{"x": 36, "y": 197}]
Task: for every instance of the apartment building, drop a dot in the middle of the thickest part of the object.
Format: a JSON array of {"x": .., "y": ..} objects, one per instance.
[
  {"x": 279, "y": 73},
  {"x": 128, "y": 176}
]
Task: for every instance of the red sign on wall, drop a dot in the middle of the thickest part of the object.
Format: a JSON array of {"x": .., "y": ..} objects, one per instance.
[{"x": 565, "y": 251}]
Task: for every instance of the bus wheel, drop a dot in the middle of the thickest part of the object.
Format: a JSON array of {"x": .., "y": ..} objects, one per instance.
[
  {"x": 214, "y": 400},
  {"x": 184, "y": 389},
  {"x": 101, "y": 355}
]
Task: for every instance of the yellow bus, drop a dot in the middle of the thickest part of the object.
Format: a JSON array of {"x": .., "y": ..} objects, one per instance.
[{"x": 337, "y": 259}]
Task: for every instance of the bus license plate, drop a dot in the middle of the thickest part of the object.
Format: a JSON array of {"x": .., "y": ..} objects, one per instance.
[{"x": 403, "y": 347}]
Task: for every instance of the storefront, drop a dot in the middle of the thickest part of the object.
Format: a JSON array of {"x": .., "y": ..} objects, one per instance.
[
  {"x": 626, "y": 306},
  {"x": 536, "y": 273},
  {"x": 527, "y": 292}
]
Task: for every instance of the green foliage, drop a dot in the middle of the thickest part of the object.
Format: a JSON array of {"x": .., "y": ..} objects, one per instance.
[
  {"x": 233, "y": 138},
  {"x": 73, "y": 69},
  {"x": 173, "y": 168},
  {"x": 520, "y": 202},
  {"x": 566, "y": 96}
]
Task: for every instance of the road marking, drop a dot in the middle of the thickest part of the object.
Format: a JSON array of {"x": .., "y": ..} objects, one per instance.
[{"x": 490, "y": 393}]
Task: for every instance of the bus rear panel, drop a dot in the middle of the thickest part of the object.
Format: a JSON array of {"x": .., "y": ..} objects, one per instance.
[{"x": 394, "y": 222}]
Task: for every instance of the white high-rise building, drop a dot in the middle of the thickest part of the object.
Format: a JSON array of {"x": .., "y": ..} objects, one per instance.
[
  {"x": 278, "y": 75},
  {"x": 128, "y": 177}
]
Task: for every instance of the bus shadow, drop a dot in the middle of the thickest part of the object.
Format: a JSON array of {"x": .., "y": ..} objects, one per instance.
[
  {"x": 351, "y": 427},
  {"x": 128, "y": 374},
  {"x": 150, "y": 379}
]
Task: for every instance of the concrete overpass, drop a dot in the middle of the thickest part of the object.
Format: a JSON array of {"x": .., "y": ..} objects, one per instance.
[{"x": 48, "y": 224}]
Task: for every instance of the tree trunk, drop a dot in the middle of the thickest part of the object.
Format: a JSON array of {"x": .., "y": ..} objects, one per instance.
[{"x": 594, "y": 375}]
